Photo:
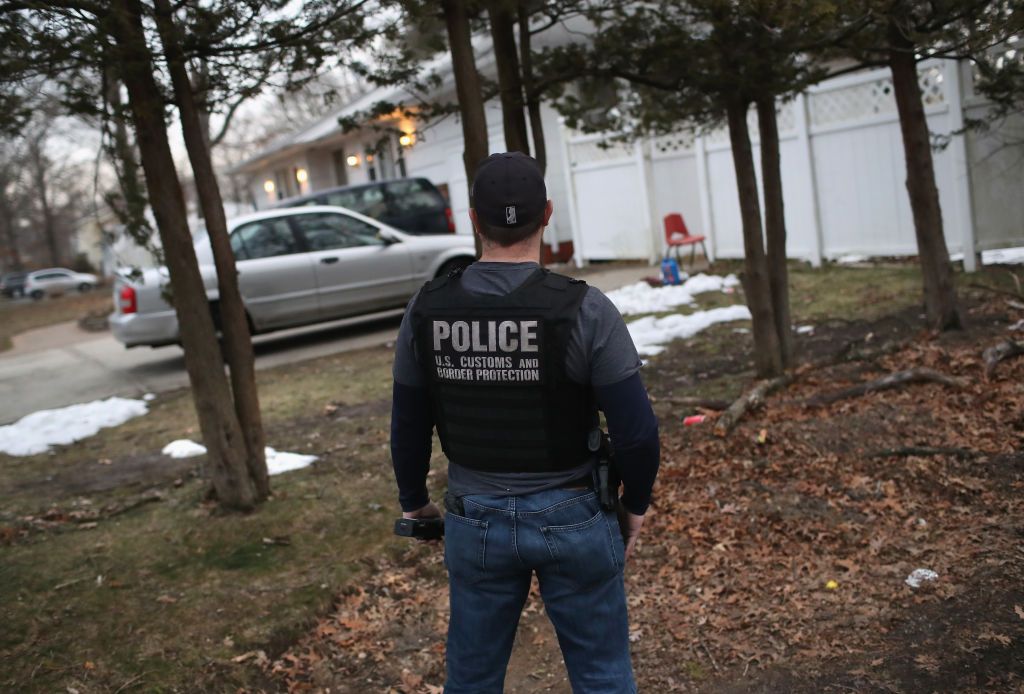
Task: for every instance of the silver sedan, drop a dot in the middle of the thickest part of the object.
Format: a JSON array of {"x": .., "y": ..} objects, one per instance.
[{"x": 295, "y": 267}]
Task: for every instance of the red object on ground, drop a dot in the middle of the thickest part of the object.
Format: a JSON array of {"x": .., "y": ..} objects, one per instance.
[
  {"x": 693, "y": 419},
  {"x": 678, "y": 235}
]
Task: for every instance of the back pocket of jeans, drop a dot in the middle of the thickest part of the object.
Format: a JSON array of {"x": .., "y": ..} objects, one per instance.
[
  {"x": 465, "y": 547},
  {"x": 584, "y": 552}
]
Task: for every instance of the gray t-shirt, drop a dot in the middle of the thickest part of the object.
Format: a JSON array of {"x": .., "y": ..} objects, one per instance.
[{"x": 600, "y": 353}]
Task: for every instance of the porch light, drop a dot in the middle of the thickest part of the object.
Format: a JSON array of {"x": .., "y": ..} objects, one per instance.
[
  {"x": 301, "y": 175},
  {"x": 406, "y": 139},
  {"x": 268, "y": 186},
  {"x": 352, "y": 160}
]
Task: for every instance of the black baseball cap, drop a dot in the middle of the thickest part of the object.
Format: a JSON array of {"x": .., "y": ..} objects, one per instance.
[{"x": 508, "y": 191}]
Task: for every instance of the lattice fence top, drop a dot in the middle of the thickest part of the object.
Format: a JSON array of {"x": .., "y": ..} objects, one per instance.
[
  {"x": 849, "y": 104},
  {"x": 785, "y": 116},
  {"x": 867, "y": 99},
  {"x": 720, "y": 135},
  {"x": 594, "y": 151},
  {"x": 932, "y": 87},
  {"x": 675, "y": 142}
]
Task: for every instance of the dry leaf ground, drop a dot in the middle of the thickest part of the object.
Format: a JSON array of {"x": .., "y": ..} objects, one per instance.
[{"x": 779, "y": 566}]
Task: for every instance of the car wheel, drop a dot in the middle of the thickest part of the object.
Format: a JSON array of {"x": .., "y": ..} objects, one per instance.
[
  {"x": 84, "y": 287},
  {"x": 453, "y": 265},
  {"x": 37, "y": 294}
]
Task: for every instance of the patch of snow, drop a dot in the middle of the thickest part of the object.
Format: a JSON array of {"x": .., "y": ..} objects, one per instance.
[
  {"x": 919, "y": 576},
  {"x": 1019, "y": 325},
  {"x": 183, "y": 448},
  {"x": 643, "y": 298},
  {"x": 851, "y": 259},
  {"x": 277, "y": 461},
  {"x": 698, "y": 284},
  {"x": 35, "y": 433},
  {"x": 149, "y": 397},
  {"x": 650, "y": 334},
  {"x": 1004, "y": 256},
  {"x": 804, "y": 329}
]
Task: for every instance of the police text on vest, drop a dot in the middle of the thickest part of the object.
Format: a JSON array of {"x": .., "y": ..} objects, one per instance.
[{"x": 505, "y": 336}]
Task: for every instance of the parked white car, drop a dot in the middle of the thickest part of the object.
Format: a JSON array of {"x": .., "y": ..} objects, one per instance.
[
  {"x": 297, "y": 266},
  {"x": 58, "y": 281}
]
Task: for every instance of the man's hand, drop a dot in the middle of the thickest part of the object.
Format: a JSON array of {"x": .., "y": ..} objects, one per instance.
[
  {"x": 428, "y": 511},
  {"x": 630, "y": 525}
]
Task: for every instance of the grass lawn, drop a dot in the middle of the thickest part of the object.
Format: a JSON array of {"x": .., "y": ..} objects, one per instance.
[
  {"x": 164, "y": 595},
  {"x": 18, "y": 316},
  {"x": 102, "y": 593}
]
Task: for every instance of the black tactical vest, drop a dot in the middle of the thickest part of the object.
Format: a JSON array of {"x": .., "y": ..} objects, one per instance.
[{"x": 495, "y": 366}]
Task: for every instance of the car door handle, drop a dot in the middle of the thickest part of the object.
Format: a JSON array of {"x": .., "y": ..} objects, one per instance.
[{"x": 329, "y": 260}]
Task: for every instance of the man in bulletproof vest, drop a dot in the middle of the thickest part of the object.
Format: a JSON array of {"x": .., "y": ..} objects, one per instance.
[{"x": 511, "y": 364}]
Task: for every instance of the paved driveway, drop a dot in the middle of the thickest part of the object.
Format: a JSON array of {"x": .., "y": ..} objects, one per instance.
[{"x": 63, "y": 365}]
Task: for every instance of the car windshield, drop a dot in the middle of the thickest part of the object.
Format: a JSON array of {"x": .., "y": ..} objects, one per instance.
[
  {"x": 413, "y": 195},
  {"x": 369, "y": 200}
]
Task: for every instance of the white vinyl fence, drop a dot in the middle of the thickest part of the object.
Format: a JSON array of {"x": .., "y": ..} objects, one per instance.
[{"x": 843, "y": 178}]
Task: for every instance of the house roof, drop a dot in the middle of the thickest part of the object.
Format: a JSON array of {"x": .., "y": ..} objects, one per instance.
[{"x": 328, "y": 126}]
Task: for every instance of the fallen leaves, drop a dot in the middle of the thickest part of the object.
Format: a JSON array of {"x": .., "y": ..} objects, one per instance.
[
  {"x": 785, "y": 544},
  {"x": 1001, "y": 639}
]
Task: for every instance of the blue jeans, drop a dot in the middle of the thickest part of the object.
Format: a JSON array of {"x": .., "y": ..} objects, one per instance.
[{"x": 576, "y": 550}]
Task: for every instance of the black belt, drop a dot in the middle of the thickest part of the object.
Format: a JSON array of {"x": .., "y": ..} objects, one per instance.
[{"x": 583, "y": 482}]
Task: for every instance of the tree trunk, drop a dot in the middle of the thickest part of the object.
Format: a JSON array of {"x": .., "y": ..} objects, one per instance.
[
  {"x": 775, "y": 226},
  {"x": 200, "y": 82},
  {"x": 540, "y": 152},
  {"x": 10, "y": 229},
  {"x": 767, "y": 356},
  {"x": 221, "y": 432},
  {"x": 133, "y": 210},
  {"x": 467, "y": 88},
  {"x": 234, "y": 322},
  {"x": 39, "y": 179},
  {"x": 510, "y": 87},
  {"x": 939, "y": 293}
]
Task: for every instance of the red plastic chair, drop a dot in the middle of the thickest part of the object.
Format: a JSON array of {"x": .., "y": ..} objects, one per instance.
[{"x": 677, "y": 236}]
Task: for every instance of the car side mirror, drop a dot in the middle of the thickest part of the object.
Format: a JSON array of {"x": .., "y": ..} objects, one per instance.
[{"x": 387, "y": 239}]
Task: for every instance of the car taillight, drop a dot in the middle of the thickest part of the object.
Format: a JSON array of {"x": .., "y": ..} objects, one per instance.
[
  {"x": 451, "y": 220},
  {"x": 127, "y": 298}
]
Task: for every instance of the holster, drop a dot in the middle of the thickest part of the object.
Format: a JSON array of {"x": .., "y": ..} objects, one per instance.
[{"x": 607, "y": 482}]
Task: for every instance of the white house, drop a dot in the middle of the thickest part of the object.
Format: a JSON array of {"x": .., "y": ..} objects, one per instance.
[{"x": 842, "y": 159}]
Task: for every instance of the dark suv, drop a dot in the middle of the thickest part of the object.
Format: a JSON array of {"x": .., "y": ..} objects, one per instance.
[
  {"x": 412, "y": 205},
  {"x": 13, "y": 284}
]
